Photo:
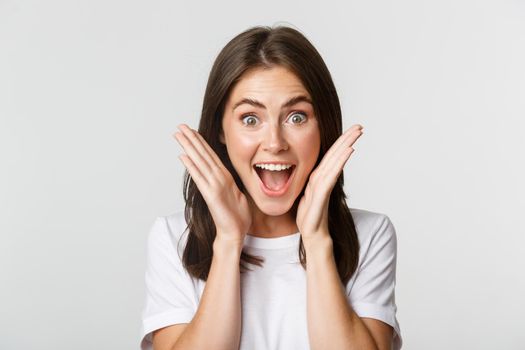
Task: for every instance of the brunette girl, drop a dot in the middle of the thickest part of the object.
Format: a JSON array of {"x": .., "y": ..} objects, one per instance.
[{"x": 267, "y": 254}]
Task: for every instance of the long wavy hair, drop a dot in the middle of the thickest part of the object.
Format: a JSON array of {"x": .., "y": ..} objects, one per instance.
[{"x": 266, "y": 47}]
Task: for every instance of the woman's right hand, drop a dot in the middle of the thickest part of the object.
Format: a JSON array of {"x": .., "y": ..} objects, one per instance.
[{"x": 227, "y": 204}]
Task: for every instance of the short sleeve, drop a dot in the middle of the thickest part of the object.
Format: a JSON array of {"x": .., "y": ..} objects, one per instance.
[
  {"x": 373, "y": 292},
  {"x": 169, "y": 290}
]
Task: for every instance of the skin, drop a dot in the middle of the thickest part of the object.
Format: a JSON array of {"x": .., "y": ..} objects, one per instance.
[
  {"x": 262, "y": 133},
  {"x": 271, "y": 133}
]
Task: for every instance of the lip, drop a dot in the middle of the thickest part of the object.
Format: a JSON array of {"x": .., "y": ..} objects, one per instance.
[{"x": 283, "y": 190}]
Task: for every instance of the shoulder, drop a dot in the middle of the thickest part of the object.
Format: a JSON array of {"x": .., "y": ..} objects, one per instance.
[
  {"x": 176, "y": 223},
  {"x": 170, "y": 230},
  {"x": 368, "y": 222},
  {"x": 374, "y": 230}
]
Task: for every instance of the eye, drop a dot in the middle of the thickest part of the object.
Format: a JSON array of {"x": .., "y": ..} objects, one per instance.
[
  {"x": 294, "y": 118},
  {"x": 250, "y": 118}
]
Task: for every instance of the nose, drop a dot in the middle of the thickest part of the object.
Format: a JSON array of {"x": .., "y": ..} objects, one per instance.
[{"x": 274, "y": 139}]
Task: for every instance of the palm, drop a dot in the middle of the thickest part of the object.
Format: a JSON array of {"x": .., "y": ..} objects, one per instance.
[
  {"x": 312, "y": 211},
  {"x": 232, "y": 211},
  {"x": 308, "y": 218},
  {"x": 227, "y": 204}
]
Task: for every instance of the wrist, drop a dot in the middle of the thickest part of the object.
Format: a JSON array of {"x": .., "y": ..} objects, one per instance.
[
  {"x": 226, "y": 246},
  {"x": 318, "y": 245}
]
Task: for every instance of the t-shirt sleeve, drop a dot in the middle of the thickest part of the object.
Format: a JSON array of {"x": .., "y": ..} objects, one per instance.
[
  {"x": 169, "y": 290},
  {"x": 373, "y": 292}
]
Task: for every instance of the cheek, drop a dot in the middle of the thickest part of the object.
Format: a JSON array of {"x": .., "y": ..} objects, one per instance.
[
  {"x": 241, "y": 148},
  {"x": 308, "y": 147}
]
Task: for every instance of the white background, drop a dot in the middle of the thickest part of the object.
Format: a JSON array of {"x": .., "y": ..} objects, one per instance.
[{"x": 91, "y": 91}]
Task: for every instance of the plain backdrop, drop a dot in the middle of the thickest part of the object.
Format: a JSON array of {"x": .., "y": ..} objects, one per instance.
[{"x": 91, "y": 92}]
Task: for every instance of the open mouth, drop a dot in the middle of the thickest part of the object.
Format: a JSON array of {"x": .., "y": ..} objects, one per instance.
[{"x": 275, "y": 182}]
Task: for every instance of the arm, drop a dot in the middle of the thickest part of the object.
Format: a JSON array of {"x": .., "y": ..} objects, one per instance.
[
  {"x": 217, "y": 322},
  {"x": 332, "y": 324}
]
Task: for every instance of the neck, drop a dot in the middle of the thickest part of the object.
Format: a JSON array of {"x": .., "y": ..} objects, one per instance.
[{"x": 270, "y": 226}]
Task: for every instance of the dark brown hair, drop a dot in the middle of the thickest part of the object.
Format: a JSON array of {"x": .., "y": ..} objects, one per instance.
[{"x": 266, "y": 47}]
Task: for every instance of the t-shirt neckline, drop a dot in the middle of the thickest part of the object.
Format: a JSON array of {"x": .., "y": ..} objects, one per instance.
[{"x": 291, "y": 240}]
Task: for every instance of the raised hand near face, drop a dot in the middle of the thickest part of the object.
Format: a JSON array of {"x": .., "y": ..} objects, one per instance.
[
  {"x": 312, "y": 212},
  {"x": 227, "y": 204}
]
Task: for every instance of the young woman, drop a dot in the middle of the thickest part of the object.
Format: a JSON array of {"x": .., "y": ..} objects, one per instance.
[{"x": 267, "y": 255}]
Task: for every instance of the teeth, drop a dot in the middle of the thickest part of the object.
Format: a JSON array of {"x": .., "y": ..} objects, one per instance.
[{"x": 274, "y": 167}]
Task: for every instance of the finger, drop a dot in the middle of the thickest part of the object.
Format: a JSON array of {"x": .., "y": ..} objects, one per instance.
[
  {"x": 193, "y": 149},
  {"x": 349, "y": 137},
  {"x": 213, "y": 154},
  {"x": 348, "y": 133},
  {"x": 347, "y": 142},
  {"x": 208, "y": 153},
  {"x": 326, "y": 181},
  {"x": 195, "y": 173},
  {"x": 342, "y": 140},
  {"x": 340, "y": 163},
  {"x": 342, "y": 153},
  {"x": 338, "y": 149}
]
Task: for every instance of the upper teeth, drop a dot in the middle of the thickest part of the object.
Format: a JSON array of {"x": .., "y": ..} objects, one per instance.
[{"x": 274, "y": 167}]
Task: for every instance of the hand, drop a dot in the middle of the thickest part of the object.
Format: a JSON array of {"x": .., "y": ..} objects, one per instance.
[
  {"x": 312, "y": 211},
  {"x": 227, "y": 204}
]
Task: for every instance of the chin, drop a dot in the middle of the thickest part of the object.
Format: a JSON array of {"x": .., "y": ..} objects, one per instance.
[
  {"x": 275, "y": 208},
  {"x": 275, "y": 211}
]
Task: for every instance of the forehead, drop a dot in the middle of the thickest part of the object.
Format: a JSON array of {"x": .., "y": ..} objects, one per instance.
[{"x": 276, "y": 82}]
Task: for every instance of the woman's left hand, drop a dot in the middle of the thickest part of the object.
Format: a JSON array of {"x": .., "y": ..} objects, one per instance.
[{"x": 312, "y": 211}]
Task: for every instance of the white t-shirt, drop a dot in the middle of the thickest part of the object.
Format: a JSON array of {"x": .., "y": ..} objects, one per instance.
[{"x": 274, "y": 314}]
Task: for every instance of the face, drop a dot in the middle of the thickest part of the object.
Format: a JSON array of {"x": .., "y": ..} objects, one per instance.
[{"x": 268, "y": 118}]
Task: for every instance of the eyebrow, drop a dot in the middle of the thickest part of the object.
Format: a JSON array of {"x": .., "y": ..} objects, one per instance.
[{"x": 290, "y": 102}]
